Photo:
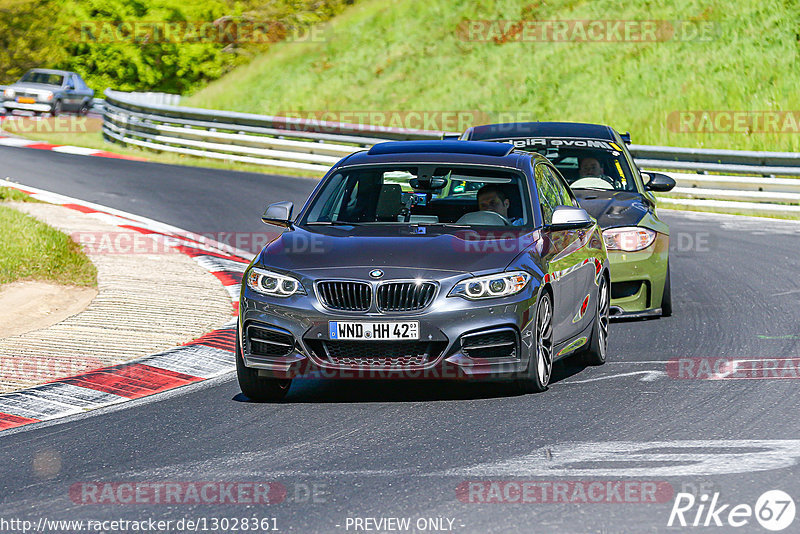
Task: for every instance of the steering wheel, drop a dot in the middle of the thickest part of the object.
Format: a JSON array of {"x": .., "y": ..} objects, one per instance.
[
  {"x": 483, "y": 218},
  {"x": 597, "y": 182}
]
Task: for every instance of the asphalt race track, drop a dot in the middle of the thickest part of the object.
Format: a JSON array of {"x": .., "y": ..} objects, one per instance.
[{"x": 343, "y": 451}]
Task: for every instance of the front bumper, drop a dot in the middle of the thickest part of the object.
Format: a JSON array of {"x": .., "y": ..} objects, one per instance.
[
  {"x": 443, "y": 327},
  {"x": 11, "y": 104},
  {"x": 637, "y": 279}
]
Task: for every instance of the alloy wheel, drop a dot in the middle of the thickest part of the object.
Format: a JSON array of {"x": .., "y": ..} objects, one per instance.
[{"x": 544, "y": 341}]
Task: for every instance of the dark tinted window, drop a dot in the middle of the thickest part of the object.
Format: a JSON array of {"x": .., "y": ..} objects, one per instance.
[
  {"x": 42, "y": 77},
  {"x": 387, "y": 194}
]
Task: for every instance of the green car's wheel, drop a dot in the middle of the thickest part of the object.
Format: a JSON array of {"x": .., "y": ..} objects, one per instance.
[
  {"x": 666, "y": 300},
  {"x": 257, "y": 388},
  {"x": 595, "y": 353}
]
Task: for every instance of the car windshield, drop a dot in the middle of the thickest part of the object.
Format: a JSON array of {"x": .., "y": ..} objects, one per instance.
[
  {"x": 592, "y": 168},
  {"x": 46, "y": 78},
  {"x": 422, "y": 195}
]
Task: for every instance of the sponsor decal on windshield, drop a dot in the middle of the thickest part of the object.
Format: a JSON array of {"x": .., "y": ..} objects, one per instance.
[{"x": 552, "y": 142}]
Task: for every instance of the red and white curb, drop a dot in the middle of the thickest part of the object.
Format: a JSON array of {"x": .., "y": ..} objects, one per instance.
[
  {"x": 207, "y": 357},
  {"x": 64, "y": 149}
]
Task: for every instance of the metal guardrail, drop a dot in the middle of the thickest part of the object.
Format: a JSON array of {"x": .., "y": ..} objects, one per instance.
[
  {"x": 705, "y": 160},
  {"x": 747, "y": 176}
]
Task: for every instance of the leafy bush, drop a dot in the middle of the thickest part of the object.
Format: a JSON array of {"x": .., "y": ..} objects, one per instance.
[{"x": 172, "y": 46}]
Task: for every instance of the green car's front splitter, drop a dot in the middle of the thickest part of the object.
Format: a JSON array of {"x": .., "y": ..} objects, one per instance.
[{"x": 637, "y": 279}]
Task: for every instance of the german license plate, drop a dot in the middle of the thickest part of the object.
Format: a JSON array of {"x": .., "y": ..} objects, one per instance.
[
  {"x": 374, "y": 331},
  {"x": 26, "y": 100}
]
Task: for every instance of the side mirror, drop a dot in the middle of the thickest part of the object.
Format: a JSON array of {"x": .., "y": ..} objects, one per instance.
[
  {"x": 70, "y": 87},
  {"x": 570, "y": 218},
  {"x": 279, "y": 214},
  {"x": 659, "y": 182}
]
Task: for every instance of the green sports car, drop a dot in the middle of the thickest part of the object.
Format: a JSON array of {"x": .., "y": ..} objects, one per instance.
[{"x": 596, "y": 162}]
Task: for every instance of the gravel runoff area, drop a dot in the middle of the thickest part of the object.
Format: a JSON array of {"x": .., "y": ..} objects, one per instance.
[{"x": 149, "y": 299}]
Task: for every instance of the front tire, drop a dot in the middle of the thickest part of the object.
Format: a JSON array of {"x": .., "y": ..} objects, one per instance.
[
  {"x": 595, "y": 353},
  {"x": 257, "y": 388},
  {"x": 540, "y": 367},
  {"x": 57, "y": 108}
]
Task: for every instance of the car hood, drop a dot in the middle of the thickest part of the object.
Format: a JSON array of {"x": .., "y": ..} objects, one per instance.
[
  {"x": 455, "y": 250},
  {"x": 34, "y": 86},
  {"x": 612, "y": 208}
]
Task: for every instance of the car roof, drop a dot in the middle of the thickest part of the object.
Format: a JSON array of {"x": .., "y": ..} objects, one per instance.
[
  {"x": 52, "y": 71},
  {"x": 441, "y": 147},
  {"x": 512, "y": 130},
  {"x": 445, "y": 152}
]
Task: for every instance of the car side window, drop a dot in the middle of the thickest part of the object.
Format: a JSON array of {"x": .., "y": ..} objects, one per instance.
[
  {"x": 637, "y": 176},
  {"x": 564, "y": 193},
  {"x": 548, "y": 195}
]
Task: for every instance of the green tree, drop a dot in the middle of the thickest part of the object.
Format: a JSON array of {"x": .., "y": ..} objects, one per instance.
[
  {"x": 125, "y": 45},
  {"x": 24, "y": 41}
]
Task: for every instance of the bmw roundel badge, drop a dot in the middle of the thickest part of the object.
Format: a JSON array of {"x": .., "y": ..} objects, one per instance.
[{"x": 377, "y": 273}]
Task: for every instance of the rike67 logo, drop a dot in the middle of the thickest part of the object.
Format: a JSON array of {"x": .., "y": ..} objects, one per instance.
[{"x": 774, "y": 510}]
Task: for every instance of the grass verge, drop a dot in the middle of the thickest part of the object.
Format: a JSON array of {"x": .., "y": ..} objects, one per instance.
[
  {"x": 457, "y": 56},
  {"x": 679, "y": 206},
  {"x": 12, "y": 195},
  {"x": 33, "y": 250}
]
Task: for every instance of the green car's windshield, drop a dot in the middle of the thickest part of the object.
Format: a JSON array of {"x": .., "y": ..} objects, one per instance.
[
  {"x": 591, "y": 168},
  {"x": 422, "y": 195}
]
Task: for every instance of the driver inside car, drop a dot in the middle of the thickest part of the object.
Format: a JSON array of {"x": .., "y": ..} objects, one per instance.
[
  {"x": 493, "y": 198},
  {"x": 592, "y": 174},
  {"x": 590, "y": 167}
]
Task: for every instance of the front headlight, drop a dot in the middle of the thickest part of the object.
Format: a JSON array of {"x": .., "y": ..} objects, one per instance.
[
  {"x": 47, "y": 96},
  {"x": 491, "y": 286},
  {"x": 9, "y": 93},
  {"x": 630, "y": 239},
  {"x": 273, "y": 284}
]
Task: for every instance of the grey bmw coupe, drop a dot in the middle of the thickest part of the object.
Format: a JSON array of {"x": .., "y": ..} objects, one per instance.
[{"x": 426, "y": 259}]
